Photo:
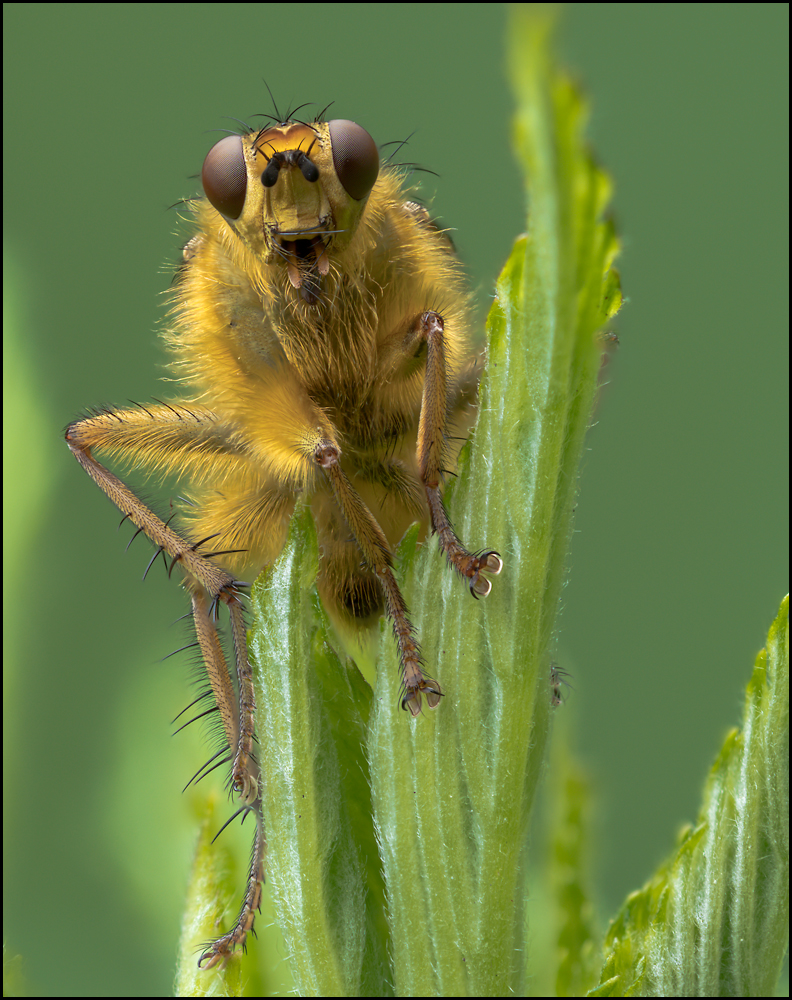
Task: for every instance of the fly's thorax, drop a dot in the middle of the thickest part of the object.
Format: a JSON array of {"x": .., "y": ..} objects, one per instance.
[
  {"x": 333, "y": 315},
  {"x": 238, "y": 323}
]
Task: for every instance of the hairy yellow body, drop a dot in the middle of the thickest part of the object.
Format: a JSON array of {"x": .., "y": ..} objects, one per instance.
[
  {"x": 283, "y": 373},
  {"x": 320, "y": 340}
]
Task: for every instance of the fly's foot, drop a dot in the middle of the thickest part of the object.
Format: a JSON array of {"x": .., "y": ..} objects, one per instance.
[
  {"x": 245, "y": 783},
  {"x": 223, "y": 948},
  {"x": 489, "y": 562},
  {"x": 414, "y": 694}
]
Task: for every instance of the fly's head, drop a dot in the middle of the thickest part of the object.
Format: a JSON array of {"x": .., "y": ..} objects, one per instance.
[{"x": 294, "y": 193}]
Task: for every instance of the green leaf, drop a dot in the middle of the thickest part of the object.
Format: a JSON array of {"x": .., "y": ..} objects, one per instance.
[
  {"x": 578, "y": 956},
  {"x": 14, "y": 981},
  {"x": 322, "y": 860},
  {"x": 714, "y": 919},
  {"x": 213, "y": 886},
  {"x": 453, "y": 791}
]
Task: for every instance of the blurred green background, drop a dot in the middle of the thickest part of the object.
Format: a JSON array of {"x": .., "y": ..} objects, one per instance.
[{"x": 679, "y": 557}]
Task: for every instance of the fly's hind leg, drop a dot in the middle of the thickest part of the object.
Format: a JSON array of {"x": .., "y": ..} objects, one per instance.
[
  {"x": 235, "y": 719},
  {"x": 166, "y": 432},
  {"x": 167, "y": 435},
  {"x": 222, "y": 688},
  {"x": 431, "y": 437},
  {"x": 220, "y": 949}
]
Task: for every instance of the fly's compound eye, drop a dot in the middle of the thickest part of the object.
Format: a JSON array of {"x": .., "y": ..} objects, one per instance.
[
  {"x": 355, "y": 157},
  {"x": 224, "y": 176}
]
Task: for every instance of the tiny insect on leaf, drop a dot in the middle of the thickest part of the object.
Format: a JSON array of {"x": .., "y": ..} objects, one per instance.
[{"x": 320, "y": 333}]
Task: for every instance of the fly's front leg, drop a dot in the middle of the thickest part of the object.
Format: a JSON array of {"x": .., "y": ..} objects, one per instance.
[
  {"x": 376, "y": 551},
  {"x": 205, "y": 580},
  {"x": 431, "y": 436}
]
